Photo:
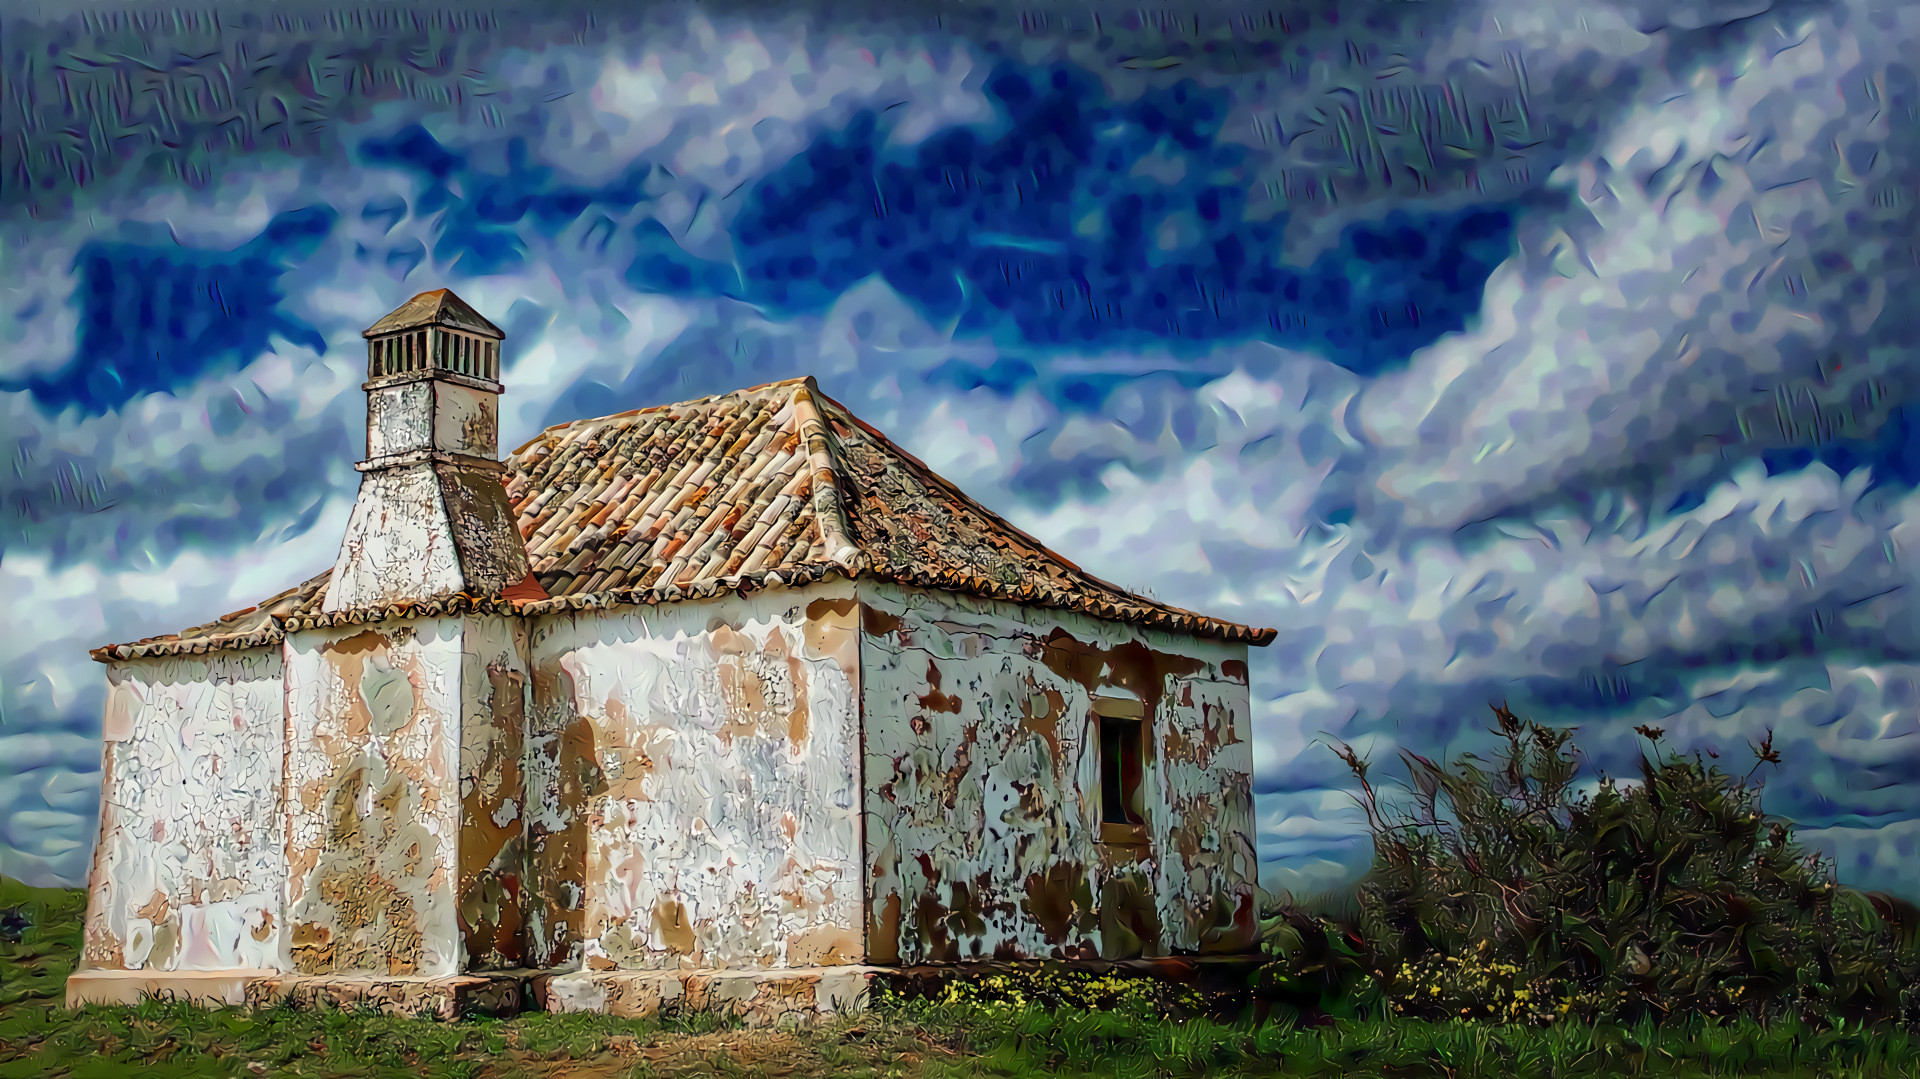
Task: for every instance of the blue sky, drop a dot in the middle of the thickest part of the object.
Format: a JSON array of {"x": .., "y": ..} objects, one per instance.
[{"x": 1558, "y": 354}]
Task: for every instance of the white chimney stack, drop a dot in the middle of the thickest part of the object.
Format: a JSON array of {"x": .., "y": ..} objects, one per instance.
[{"x": 432, "y": 518}]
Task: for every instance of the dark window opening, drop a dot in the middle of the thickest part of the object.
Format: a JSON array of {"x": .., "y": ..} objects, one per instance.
[{"x": 1120, "y": 771}]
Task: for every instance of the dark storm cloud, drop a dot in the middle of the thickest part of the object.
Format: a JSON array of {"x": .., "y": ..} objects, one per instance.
[
  {"x": 158, "y": 316},
  {"x": 1045, "y": 235}
]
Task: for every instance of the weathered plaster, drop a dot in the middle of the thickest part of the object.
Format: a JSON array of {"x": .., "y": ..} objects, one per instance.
[
  {"x": 399, "y": 543},
  {"x": 399, "y": 419},
  {"x": 465, "y": 420},
  {"x": 493, "y": 797},
  {"x": 373, "y": 802},
  {"x": 673, "y": 786},
  {"x": 692, "y": 778},
  {"x": 189, "y": 865},
  {"x": 982, "y": 785}
]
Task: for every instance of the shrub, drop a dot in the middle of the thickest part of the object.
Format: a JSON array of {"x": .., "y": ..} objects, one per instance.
[
  {"x": 1501, "y": 893},
  {"x": 1326, "y": 966}
]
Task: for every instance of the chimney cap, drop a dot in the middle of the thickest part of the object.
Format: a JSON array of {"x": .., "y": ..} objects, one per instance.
[{"x": 437, "y": 308}]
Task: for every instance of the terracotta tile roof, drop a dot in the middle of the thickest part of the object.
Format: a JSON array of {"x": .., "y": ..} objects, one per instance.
[
  {"x": 777, "y": 485},
  {"x": 919, "y": 529},
  {"x": 249, "y": 627},
  {"x": 733, "y": 487}
]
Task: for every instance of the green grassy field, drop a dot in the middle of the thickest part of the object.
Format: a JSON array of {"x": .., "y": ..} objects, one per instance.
[{"x": 39, "y": 1038}]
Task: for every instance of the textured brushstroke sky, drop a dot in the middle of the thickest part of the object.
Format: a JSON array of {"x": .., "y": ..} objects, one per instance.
[{"x": 1554, "y": 353}]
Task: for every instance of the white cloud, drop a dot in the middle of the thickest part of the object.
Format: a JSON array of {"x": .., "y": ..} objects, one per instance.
[
  {"x": 1692, "y": 297},
  {"x": 721, "y": 103}
]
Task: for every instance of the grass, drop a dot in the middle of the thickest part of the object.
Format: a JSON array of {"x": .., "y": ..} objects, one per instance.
[{"x": 38, "y": 1038}]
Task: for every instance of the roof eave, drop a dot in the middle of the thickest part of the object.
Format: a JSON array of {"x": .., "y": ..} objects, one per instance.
[
  {"x": 1162, "y": 618},
  {"x": 794, "y": 577},
  {"x": 192, "y": 646}
]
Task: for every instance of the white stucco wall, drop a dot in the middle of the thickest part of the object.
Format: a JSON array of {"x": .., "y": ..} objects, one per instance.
[
  {"x": 188, "y": 871},
  {"x": 399, "y": 419},
  {"x": 697, "y": 760},
  {"x": 684, "y": 785},
  {"x": 982, "y": 785},
  {"x": 373, "y": 798},
  {"x": 398, "y": 543}
]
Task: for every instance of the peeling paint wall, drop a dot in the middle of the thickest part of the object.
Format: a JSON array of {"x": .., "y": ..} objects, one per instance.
[
  {"x": 494, "y": 691},
  {"x": 188, "y": 870},
  {"x": 698, "y": 761},
  {"x": 399, "y": 419},
  {"x": 398, "y": 545},
  {"x": 982, "y": 785},
  {"x": 677, "y": 786},
  {"x": 373, "y": 806},
  {"x": 465, "y": 420}
]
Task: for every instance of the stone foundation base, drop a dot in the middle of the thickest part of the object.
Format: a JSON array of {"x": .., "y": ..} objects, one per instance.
[
  {"x": 502, "y": 993},
  {"x": 497, "y": 993},
  {"x": 760, "y": 997},
  {"x": 207, "y": 988}
]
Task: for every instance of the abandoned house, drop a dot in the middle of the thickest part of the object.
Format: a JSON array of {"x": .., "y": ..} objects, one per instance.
[{"x": 730, "y": 701}]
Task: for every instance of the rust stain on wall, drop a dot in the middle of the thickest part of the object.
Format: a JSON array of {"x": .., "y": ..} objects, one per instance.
[
  {"x": 363, "y": 919},
  {"x": 477, "y": 428},
  {"x": 934, "y": 700},
  {"x": 878, "y": 623},
  {"x": 1060, "y": 899},
  {"x": 562, "y": 777},
  {"x": 1129, "y": 916},
  {"x": 1130, "y": 665},
  {"x": 883, "y": 940},
  {"x": 1040, "y": 715},
  {"x": 493, "y": 796},
  {"x": 671, "y": 925}
]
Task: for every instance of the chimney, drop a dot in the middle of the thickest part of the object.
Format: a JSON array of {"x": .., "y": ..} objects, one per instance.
[{"x": 432, "y": 518}]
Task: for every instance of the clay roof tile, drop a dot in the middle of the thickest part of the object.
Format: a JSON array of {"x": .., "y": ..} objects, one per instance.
[{"x": 774, "y": 485}]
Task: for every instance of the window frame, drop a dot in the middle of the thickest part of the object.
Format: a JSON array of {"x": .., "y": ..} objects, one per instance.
[{"x": 1117, "y": 710}]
